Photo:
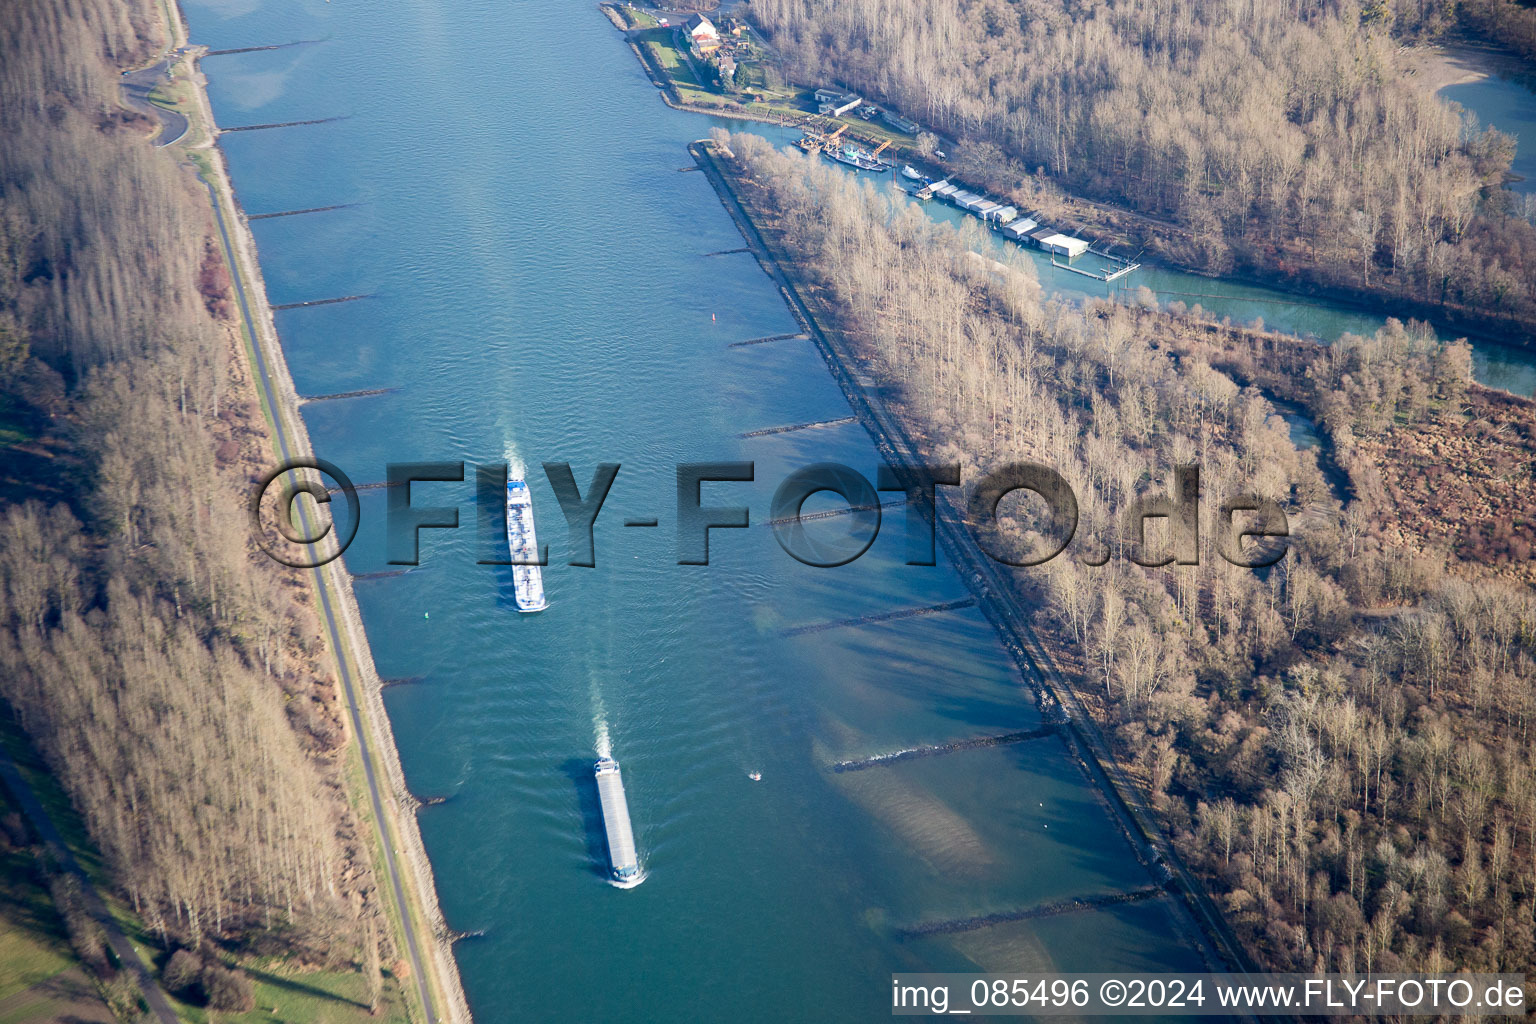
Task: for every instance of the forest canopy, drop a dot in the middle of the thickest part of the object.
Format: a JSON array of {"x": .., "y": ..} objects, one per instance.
[
  {"x": 166, "y": 676},
  {"x": 1248, "y": 135}
]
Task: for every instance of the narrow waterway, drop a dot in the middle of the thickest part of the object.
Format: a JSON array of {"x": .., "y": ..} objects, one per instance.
[
  {"x": 1498, "y": 366},
  {"x": 541, "y": 293}
]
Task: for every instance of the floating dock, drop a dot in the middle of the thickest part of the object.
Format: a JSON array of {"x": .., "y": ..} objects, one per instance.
[
  {"x": 1117, "y": 269},
  {"x": 1018, "y": 226},
  {"x": 625, "y": 868}
]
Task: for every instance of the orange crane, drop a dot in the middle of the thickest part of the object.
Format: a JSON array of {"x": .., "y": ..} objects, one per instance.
[
  {"x": 881, "y": 148},
  {"x": 833, "y": 137}
]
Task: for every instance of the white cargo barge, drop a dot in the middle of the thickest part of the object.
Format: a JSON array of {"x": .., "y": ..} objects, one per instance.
[
  {"x": 527, "y": 579},
  {"x": 625, "y": 868}
]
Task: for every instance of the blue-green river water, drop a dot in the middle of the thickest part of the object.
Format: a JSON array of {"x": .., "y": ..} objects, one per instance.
[{"x": 541, "y": 293}]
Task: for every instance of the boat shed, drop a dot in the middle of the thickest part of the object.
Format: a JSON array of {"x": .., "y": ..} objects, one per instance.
[
  {"x": 985, "y": 208},
  {"x": 1003, "y": 215},
  {"x": 946, "y": 189},
  {"x": 1039, "y": 235},
  {"x": 1064, "y": 245},
  {"x": 1020, "y": 228}
]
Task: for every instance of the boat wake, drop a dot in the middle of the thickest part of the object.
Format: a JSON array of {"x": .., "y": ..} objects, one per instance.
[
  {"x": 516, "y": 468},
  {"x": 600, "y": 739}
]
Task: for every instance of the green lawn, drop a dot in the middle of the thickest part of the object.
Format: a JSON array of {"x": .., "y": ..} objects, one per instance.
[
  {"x": 660, "y": 43},
  {"x": 51, "y": 795},
  {"x": 33, "y": 946},
  {"x": 285, "y": 996},
  {"x": 14, "y": 425},
  {"x": 637, "y": 19}
]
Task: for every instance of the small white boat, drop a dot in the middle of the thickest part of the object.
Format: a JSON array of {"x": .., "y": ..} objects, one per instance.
[
  {"x": 911, "y": 172},
  {"x": 527, "y": 579},
  {"x": 755, "y": 776}
]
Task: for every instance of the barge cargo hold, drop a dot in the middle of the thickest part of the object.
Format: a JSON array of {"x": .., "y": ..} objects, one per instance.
[{"x": 623, "y": 864}]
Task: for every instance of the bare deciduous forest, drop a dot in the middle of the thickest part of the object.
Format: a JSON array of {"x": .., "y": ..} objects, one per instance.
[
  {"x": 171, "y": 680},
  {"x": 1507, "y": 22},
  {"x": 1340, "y": 745},
  {"x": 1260, "y": 138}
]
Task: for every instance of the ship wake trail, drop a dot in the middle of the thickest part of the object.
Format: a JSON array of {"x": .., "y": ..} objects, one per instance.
[
  {"x": 862, "y": 620},
  {"x": 601, "y": 742},
  {"x": 514, "y": 460}
]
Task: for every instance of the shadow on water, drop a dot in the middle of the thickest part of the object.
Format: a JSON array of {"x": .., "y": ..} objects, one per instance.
[
  {"x": 579, "y": 771},
  {"x": 506, "y": 587}
]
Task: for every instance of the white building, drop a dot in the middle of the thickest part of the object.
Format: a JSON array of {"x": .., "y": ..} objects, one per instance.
[
  {"x": 1064, "y": 245},
  {"x": 702, "y": 33}
]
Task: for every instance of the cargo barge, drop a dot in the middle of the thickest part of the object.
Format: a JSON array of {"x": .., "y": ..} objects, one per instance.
[
  {"x": 624, "y": 867},
  {"x": 527, "y": 579}
]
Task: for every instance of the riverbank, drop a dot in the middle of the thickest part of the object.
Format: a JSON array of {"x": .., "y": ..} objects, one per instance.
[
  {"x": 1162, "y": 241},
  {"x": 1206, "y": 929},
  {"x": 414, "y": 911},
  {"x": 1193, "y": 736},
  {"x": 671, "y": 93}
]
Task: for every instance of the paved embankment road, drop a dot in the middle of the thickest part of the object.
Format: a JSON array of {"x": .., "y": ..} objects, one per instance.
[
  {"x": 137, "y": 85},
  {"x": 350, "y": 685}
]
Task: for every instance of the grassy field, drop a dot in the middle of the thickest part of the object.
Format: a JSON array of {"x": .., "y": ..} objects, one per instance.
[
  {"x": 66, "y": 996},
  {"x": 636, "y": 18},
  {"x": 661, "y": 44},
  {"x": 14, "y": 425},
  {"x": 286, "y": 996},
  {"x": 40, "y": 979},
  {"x": 33, "y": 946}
]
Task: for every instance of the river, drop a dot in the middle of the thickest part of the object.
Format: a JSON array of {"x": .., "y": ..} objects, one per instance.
[{"x": 541, "y": 292}]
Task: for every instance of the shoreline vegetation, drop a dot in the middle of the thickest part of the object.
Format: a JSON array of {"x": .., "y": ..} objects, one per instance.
[
  {"x": 161, "y": 666},
  {"x": 1338, "y": 748},
  {"x": 1478, "y": 296}
]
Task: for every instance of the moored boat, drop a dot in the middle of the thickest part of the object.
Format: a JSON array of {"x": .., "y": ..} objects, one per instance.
[{"x": 853, "y": 156}]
